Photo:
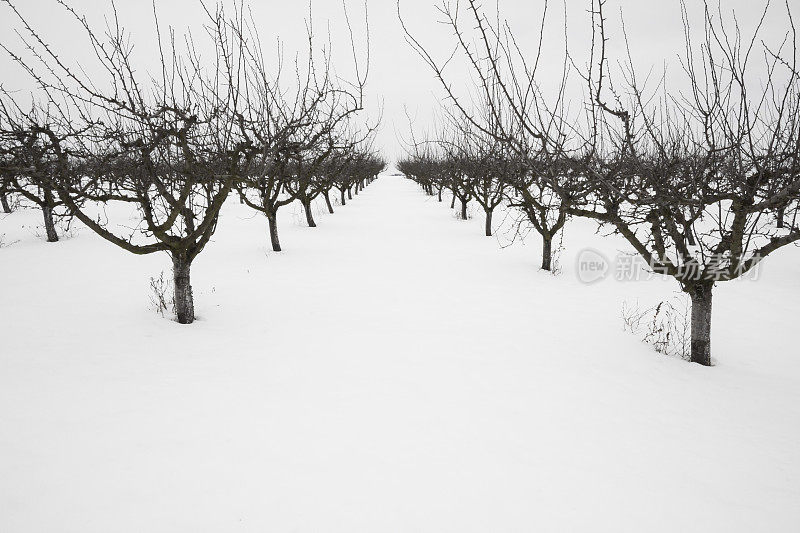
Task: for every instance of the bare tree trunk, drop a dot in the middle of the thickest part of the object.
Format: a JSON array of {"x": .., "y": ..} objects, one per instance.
[
  {"x": 689, "y": 234},
  {"x": 350, "y": 192},
  {"x": 4, "y": 202},
  {"x": 489, "y": 222},
  {"x": 440, "y": 194},
  {"x": 184, "y": 302},
  {"x": 701, "y": 322},
  {"x": 327, "y": 197},
  {"x": 780, "y": 216},
  {"x": 273, "y": 232},
  {"x": 49, "y": 223},
  {"x": 453, "y": 201},
  {"x": 463, "y": 209},
  {"x": 547, "y": 253},
  {"x": 309, "y": 215},
  {"x": 343, "y": 200}
]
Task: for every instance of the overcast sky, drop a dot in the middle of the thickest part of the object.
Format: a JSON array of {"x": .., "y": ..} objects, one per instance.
[{"x": 399, "y": 80}]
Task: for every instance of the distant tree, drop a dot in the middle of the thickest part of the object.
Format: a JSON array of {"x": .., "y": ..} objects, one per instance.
[
  {"x": 305, "y": 184},
  {"x": 293, "y": 131},
  {"x": 266, "y": 179},
  {"x": 5, "y": 183},
  {"x": 349, "y": 166},
  {"x": 425, "y": 169},
  {"x": 28, "y": 163},
  {"x": 509, "y": 108},
  {"x": 543, "y": 192}
]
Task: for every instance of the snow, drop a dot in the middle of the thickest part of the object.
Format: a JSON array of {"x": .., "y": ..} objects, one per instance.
[{"x": 391, "y": 370}]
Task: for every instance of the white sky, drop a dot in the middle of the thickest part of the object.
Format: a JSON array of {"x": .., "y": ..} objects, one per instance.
[{"x": 398, "y": 78}]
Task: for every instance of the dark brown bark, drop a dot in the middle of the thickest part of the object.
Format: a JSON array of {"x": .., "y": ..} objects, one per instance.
[
  {"x": 350, "y": 193},
  {"x": 489, "y": 222},
  {"x": 689, "y": 234},
  {"x": 273, "y": 232},
  {"x": 781, "y": 214},
  {"x": 440, "y": 194},
  {"x": 49, "y": 224},
  {"x": 701, "y": 322},
  {"x": 327, "y": 197},
  {"x": 4, "y": 202},
  {"x": 463, "y": 209},
  {"x": 309, "y": 214},
  {"x": 453, "y": 202},
  {"x": 547, "y": 253},
  {"x": 184, "y": 302},
  {"x": 343, "y": 200}
]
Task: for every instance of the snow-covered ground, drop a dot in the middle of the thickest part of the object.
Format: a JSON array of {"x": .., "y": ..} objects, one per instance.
[{"x": 392, "y": 370}]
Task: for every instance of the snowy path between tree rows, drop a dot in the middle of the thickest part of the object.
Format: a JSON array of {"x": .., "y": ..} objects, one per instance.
[{"x": 391, "y": 371}]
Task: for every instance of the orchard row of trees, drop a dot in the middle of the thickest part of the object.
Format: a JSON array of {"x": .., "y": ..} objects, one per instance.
[
  {"x": 489, "y": 175},
  {"x": 703, "y": 182},
  {"x": 173, "y": 146}
]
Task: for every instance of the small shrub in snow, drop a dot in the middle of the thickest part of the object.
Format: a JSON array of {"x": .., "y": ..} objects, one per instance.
[
  {"x": 161, "y": 294},
  {"x": 555, "y": 266},
  {"x": 4, "y": 243},
  {"x": 666, "y": 326},
  {"x": 459, "y": 215}
]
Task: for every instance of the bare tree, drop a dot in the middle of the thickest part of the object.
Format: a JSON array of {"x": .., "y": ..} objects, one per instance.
[
  {"x": 291, "y": 137},
  {"x": 507, "y": 106},
  {"x": 167, "y": 145},
  {"x": 692, "y": 182},
  {"x": 543, "y": 191},
  {"x": 349, "y": 166},
  {"x": 29, "y": 161},
  {"x": 6, "y": 175}
]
